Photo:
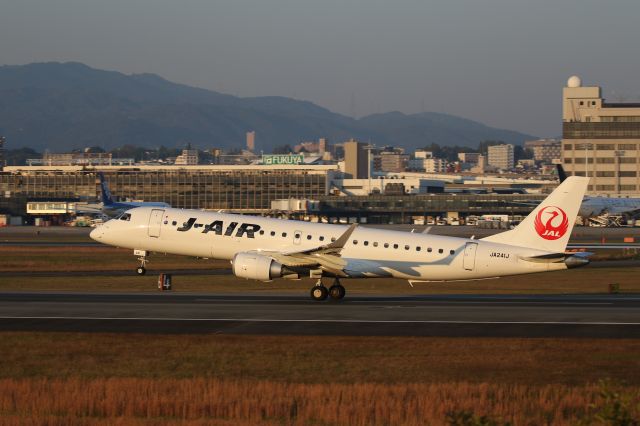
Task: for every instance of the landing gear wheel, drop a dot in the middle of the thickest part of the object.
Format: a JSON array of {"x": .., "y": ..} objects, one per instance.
[
  {"x": 141, "y": 270},
  {"x": 319, "y": 293},
  {"x": 337, "y": 292}
]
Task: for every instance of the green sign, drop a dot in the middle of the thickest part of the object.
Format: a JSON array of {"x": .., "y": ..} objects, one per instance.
[{"x": 282, "y": 159}]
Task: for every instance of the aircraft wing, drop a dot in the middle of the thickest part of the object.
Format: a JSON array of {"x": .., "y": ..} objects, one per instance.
[
  {"x": 327, "y": 256},
  {"x": 333, "y": 248}
]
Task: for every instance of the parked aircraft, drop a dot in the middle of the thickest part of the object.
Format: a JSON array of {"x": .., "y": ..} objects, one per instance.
[
  {"x": 598, "y": 206},
  {"x": 112, "y": 208},
  {"x": 264, "y": 248}
]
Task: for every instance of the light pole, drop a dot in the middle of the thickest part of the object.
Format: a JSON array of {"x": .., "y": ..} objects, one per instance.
[{"x": 369, "y": 148}]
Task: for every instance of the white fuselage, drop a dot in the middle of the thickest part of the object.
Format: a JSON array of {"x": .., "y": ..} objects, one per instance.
[{"x": 369, "y": 252}]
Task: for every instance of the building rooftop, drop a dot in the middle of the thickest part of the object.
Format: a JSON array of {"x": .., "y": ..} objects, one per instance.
[{"x": 153, "y": 167}]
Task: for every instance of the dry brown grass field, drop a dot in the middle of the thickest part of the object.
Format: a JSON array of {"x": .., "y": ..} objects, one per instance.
[
  {"x": 212, "y": 401},
  {"x": 80, "y": 378}
]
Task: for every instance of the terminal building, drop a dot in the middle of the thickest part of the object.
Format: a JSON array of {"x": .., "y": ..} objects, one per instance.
[
  {"x": 55, "y": 193},
  {"x": 247, "y": 189},
  {"x": 600, "y": 139},
  {"x": 422, "y": 208}
]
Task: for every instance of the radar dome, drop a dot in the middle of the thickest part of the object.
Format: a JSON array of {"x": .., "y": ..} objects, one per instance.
[{"x": 574, "y": 81}]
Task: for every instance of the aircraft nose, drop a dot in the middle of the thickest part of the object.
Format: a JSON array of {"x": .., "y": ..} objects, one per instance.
[{"x": 96, "y": 234}]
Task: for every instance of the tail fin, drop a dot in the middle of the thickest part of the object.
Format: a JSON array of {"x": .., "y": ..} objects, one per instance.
[
  {"x": 562, "y": 175},
  {"x": 549, "y": 225},
  {"x": 106, "y": 194}
]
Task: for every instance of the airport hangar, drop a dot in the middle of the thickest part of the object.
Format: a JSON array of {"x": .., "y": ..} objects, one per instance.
[{"x": 310, "y": 192}]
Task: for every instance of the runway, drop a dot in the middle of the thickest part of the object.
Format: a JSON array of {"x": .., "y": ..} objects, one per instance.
[{"x": 592, "y": 316}]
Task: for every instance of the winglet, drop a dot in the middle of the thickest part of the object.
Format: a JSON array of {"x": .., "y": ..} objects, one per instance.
[
  {"x": 342, "y": 240},
  {"x": 562, "y": 175}
]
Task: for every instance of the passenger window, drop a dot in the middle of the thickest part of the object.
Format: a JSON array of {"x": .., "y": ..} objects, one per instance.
[
  {"x": 261, "y": 232},
  {"x": 174, "y": 223},
  {"x": 386, "y": 245},
  {"x": 418, "y": 248},
  {"x": 308, "y": 237},
  {"x": 333, "y": 239},
  {"x": 273, "y": 233},
  {"x": 440, "y": 251},
  {"x": 284, "y": 234},
  {"x": 406, "y": 247},
  {"x": 375, "y": 244},
  {"x": 321, "y": 238},
  {"x": 395, "y": 246},
  {"x": 429, "y": 249},
  {"x": 355, "y": 242},
  {"x": 452, "y": 252},
  {"x": 366, "y": 243}
]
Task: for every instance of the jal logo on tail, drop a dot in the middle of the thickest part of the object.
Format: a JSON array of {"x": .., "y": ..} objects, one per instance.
[{"x": 551, "y": 223}]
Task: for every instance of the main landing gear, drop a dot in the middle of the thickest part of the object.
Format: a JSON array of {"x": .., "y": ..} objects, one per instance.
[{"x": 319, "y": 292}]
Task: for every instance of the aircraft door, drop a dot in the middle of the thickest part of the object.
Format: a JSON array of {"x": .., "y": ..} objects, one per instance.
[
  {"x": 297, "y": 235},
  {"x": 155, "y": 221},
  {"x": 469, "y": 259}
]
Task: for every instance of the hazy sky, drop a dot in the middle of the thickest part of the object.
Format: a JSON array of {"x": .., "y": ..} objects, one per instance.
[{"x": 502, "y": 62}]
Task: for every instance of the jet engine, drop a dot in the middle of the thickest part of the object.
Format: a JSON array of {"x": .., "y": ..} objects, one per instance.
[{"x": 256, "y": 267}]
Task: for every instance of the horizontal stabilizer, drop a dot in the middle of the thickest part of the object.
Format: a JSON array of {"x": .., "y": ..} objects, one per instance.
[
  {"x": 546, "y": 258},
  {"x": 572, "y": 260}
]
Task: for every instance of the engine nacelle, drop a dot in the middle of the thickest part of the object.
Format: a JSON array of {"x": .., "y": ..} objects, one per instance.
[{"x": 255, "y": 266}]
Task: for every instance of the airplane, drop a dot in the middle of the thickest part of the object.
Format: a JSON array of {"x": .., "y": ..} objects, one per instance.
[
  {"x": 597, "y": 206},
  {"x": 263, "y": 248},
  {"x": 112, "y": 208}
]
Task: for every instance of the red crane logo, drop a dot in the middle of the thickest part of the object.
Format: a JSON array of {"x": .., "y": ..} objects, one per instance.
[{"x": 551, "y": 223}]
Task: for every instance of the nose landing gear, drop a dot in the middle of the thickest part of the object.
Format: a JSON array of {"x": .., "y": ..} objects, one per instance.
[
  {"x": 142, "y": 257},
  {"x": 319, "y": 292}
]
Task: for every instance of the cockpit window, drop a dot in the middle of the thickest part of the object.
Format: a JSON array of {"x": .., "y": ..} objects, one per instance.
[{"x": 125, "y": 216}]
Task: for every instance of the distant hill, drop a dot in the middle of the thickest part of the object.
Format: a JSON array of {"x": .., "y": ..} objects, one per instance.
[{"x": 61, "y": 106}]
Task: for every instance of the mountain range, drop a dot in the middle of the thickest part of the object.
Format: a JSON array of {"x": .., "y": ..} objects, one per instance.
[{"x": 62, "y": 106}]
